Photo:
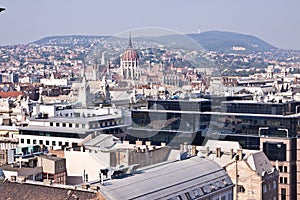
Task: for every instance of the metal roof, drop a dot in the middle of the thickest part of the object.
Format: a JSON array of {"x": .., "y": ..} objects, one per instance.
[{"x": 170, "y": 180}]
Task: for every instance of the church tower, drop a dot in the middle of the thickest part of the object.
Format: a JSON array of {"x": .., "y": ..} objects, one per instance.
[{"x": 129, "y": 66}]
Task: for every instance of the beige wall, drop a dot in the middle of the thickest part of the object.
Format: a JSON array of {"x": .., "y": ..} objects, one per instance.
[
  {"x": 241, "y": 174},
  {"x": 282, "y": 163}
]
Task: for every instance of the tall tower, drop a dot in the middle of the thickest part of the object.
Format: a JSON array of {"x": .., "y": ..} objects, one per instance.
[{"x": 129, "y": 66}]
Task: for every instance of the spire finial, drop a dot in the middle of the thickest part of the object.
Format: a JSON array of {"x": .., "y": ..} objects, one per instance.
[{"x": 130, "y": 43}]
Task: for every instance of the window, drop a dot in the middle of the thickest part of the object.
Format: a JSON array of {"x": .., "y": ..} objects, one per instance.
[
  {"x": 64, "y": 124},
  {"x": 67, "y": 144},
  {"x": 28, "y": 141},
  {"x": 283, "y": 194},
  {"x": 274, "y": 185},
  {"x": 275, "y": 151},
  {"x": 47, "y": 142},
  {"x": 280, "y": 168},
  {"x": 83, "y": 125},
  {"x": 51, "y": 123},
  {"x": 188, "y": 196},
  {"x": 22, "y": 141},
  {"x": 70, "y": 125},
  {"x": 264, "y": 188},
  {"x": 76, "y": 125},
  {"x": 34, "y": 141},
  {"x": 41, "y": 142},
  {"x": 241, "y": 189},
  {"x": 196, "y": 193},
  {"x": 60, "y": 143},
  {"x": 280, "y": 179},
  {"x": 285, "y": 169},
  {"x": 285, "y": 180},
  {"x": 57, "y": 124},
  {"x": 178, "y": 197}
]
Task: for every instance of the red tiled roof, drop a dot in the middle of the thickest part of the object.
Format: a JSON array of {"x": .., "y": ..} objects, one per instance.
[
  {"x": 11, "y": 94},
  {"x": 17, "y": 191}
]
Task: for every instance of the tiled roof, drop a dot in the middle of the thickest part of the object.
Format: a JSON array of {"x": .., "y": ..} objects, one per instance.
[
  {"x": 17, "y": 191},
  {"x": 11, "y": 94}
]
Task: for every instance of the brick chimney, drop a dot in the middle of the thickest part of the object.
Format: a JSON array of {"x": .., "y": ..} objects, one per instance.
[
  {"x": 207, "y": 151},
  {"x": 231, "y": 153},
  {"x": 240, "y": 154},
  {"x": 218, "y": 152}
]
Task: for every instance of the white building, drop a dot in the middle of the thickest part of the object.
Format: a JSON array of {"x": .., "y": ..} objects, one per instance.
[{"x": 70, "y": 131}]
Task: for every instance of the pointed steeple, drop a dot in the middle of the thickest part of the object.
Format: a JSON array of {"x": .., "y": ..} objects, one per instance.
[{"x": 130, "y": 43}]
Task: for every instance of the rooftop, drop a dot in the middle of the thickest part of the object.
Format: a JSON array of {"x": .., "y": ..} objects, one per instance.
[
  {"x": 16, "y": 191},
  {"x": 169, "y": 180}
]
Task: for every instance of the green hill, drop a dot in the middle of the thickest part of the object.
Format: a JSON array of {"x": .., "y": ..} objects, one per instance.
[{"x": 229, "y": 42}]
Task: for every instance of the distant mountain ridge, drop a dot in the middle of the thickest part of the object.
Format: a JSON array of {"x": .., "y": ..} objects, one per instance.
[
  {"x": 228, "y": 42},
  {"x": 218, "y": 41}
]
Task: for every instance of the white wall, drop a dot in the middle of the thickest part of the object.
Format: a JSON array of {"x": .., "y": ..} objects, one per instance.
[
  {"x": 77, "y": 162},
  {"x": 45, "y": 138}
]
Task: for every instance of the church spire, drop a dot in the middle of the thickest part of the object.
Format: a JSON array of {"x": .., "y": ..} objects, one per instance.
[{"x": 130, "y": 43}]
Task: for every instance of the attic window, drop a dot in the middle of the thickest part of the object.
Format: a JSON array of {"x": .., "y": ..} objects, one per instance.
[
  {"x": 241, "y": 189},
  {"x": 196, "y": 193}
]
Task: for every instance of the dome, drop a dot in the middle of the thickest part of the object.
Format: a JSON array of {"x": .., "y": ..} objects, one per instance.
[{"x": 130, "y": 54}]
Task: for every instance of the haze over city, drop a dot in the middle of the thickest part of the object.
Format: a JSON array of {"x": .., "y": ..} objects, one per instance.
[
  {"x": 147, "y": 100},
  {"x": 273, "y": 21}
]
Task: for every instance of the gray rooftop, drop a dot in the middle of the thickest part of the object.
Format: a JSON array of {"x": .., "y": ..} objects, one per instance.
[
  {"x": 82, "y": 120},
  {"x": 54, "y": 129},
  {"x": 170, "y": 180}
]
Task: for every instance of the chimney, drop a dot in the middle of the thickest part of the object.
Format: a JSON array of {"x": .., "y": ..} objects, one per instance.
[
  {"x": 139, "y": 143},
  {"x": 240, "y": 154},
  {"x": 181, "y": 147},
  {"x": 185, "y": 147},
  {"x": 193, "y": 150},
  {"x": 13, "y": 178},
  {"x": 125, "y": 142},
  {"x": 231, "y": 153},
  {"x": 148, "y": 143},
  {"x": 218, "y": 152},
  {"x": 207, "y": 151}
]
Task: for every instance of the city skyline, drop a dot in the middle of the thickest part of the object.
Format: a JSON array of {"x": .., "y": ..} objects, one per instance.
[{"x": 272, "y": 21}]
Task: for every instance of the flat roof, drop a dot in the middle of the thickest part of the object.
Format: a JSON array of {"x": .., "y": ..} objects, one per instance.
[
  {"x": 68, "y": 129},
  {"x": 84, "y": 120},
  {"x": 219, "y": 113},
  {"x": 8, "y": 128},
  {"x": 54, "y": 129}
]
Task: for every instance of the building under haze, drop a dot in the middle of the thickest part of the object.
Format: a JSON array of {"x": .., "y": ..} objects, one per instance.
[
  {"x": 130, "y": 63},
  {"x": 268, "y": 126}
]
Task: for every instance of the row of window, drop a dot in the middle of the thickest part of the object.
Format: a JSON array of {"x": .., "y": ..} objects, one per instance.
[
  {"x": 70, "y": 125},
  {"x": 283, "y": 169},
  {"x": 283, "y": 180},
  {"x": 42, "y": 142},
  {"x": 188, "y": 197},
  {"x": 92, "y": 125}
]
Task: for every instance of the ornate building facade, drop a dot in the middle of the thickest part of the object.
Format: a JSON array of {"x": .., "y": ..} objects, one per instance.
[{"x": 129, "y": 66}]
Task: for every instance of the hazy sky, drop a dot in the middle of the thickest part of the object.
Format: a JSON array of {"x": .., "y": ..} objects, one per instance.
[{"x": 275, "y": 21}]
